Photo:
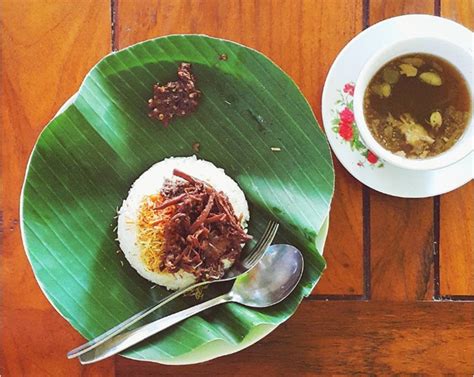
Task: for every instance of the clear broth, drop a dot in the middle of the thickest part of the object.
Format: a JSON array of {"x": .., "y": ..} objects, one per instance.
[{"x": 417, "y": 105}]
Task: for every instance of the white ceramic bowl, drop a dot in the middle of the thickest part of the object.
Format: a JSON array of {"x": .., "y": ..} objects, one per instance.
[{"x": 461, "y": 58}]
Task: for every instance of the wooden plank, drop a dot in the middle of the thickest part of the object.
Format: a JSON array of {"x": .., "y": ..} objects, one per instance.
[
  {"x": 461, "y": 11},
  {"x": 457, "y": 242},
  {"x": 303, "y": 38},
  {"x": 344, "y": 247},
  {"x": 348, "y": 338},
  {"x": 456, "y": 208},
  {"x": 401, "y": 229},
  {"x": 47, "y": 48}
]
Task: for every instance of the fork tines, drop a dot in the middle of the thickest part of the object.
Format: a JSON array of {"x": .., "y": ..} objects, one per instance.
[{"x": 258, "y": 250}]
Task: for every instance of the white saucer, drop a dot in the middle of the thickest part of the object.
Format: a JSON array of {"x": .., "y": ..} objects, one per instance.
[{"x": 352, "y": 153}]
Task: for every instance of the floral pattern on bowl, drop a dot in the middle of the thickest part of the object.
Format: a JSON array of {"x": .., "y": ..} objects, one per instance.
[{"x": 343, "y": 124}]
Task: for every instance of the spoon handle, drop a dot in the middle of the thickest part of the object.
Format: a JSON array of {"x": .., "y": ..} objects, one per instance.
[{"x": 127, "y": 339}]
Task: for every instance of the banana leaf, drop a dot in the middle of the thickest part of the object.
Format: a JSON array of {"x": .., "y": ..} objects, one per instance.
[{"x": 252, "y": 121}]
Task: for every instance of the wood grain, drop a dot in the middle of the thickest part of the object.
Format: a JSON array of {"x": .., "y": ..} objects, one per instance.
[
  {"x": 46, "y": 49},
  {"x": 348, "y": 338},
  {"x": 457, "y": 242},
  {"x": 401, "y": 229},
  {"x": 302, "y": 37},
  {"x": 461, "y": 11},
  {"x": 402, "y": 259},
  {"x": 457, "y": 208}
]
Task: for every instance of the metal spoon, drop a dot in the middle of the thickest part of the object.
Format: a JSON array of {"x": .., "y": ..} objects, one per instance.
[
  {"x": 268, "y": 283},
  {"x": 247, "y": 263}
]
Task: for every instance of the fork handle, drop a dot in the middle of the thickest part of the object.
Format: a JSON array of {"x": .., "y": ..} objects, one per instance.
[
  {"x": 128, "y": 322},
  {"x": 272, "y": 227},
  {"x": 123, "y": 341}
]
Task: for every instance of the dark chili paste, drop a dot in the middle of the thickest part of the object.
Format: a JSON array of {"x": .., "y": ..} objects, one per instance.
[
  {"x": 202, "y": 231},
  {"x": 176, "y": 98}
]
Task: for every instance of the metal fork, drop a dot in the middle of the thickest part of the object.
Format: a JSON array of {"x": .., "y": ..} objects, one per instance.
[{"x": 247, "y": 263}]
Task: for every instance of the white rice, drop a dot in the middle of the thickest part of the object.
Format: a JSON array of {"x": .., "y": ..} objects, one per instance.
[{"x": 151, "y": 182}]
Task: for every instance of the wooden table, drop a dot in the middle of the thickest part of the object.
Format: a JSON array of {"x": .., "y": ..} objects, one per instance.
[{"x": 398, "y": 293}]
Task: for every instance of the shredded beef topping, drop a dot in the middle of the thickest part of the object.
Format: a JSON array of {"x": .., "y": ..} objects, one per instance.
[
  {"x": 203, "y": 229},
  {"x": 176, "y": 98}
]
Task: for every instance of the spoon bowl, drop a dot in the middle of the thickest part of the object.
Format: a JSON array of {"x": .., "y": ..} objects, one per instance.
[{"x": 272, "y": 279}]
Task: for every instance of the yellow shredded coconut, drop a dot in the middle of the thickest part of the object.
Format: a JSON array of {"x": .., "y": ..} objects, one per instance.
[{"x": 151, "y": 223}]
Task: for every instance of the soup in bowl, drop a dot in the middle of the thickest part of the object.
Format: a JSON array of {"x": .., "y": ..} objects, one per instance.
[{"x": 413, "y": 103}]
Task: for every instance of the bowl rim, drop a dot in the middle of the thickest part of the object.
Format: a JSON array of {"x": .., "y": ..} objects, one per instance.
[{"x": 461, "y": 148}]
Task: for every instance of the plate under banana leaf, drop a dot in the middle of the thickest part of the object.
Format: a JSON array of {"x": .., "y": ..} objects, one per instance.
[{"x": 252, "y": 121}]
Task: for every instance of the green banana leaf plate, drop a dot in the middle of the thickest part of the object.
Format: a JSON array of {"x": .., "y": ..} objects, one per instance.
[{"x": 252, "y": 121}]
